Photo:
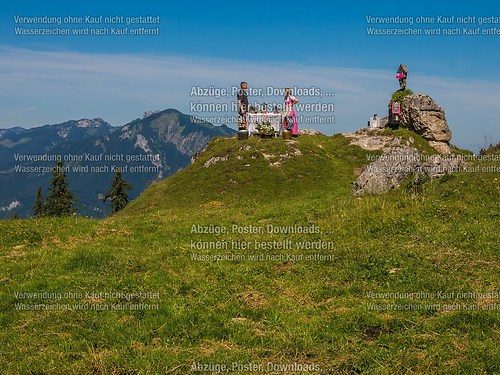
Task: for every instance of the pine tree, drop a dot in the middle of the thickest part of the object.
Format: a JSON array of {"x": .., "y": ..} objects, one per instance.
[
  {"x": 38, "y": 207},
  {"x": 60, "y": 199},
  {"x": 117, "y": 194}
]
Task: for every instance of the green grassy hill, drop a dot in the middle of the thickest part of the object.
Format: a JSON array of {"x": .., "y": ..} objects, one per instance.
[{"x": 405, "y": 282}]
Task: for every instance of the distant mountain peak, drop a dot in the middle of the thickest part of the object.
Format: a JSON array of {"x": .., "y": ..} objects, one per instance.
[
  {"x": 85, "y": 123},
  {"x": 150, "y": 113}
]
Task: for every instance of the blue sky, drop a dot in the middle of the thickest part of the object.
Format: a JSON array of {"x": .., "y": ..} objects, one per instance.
[{"x": 51, "y": 79}]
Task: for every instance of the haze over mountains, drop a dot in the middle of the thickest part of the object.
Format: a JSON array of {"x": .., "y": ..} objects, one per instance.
[{"x": 147, "y": 149}]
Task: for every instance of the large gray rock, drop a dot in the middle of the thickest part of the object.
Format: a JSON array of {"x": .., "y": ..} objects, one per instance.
[
  {"x": 421, "y": 114},
  {"x": 387, "y": 172},
  {"x": 440, "y": 165},
  {"x": 398, "y": 163}
]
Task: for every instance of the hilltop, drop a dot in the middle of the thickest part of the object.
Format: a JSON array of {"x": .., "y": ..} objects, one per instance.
[{"x": 258, "y": 254}]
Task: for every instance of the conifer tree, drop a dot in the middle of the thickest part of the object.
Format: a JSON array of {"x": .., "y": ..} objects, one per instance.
[
  {"x": 117, "y": 194},
  {"x": 38, "y": 207},
  {"x": 60, "y": 199}
]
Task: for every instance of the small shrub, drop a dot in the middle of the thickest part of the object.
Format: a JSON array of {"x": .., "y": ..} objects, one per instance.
[
  {"x": 490, "y": 150},
  {"x": 400, "y": 95}
]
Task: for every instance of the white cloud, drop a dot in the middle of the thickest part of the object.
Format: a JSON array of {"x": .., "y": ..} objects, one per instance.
[{"x": 39, "y": 87}]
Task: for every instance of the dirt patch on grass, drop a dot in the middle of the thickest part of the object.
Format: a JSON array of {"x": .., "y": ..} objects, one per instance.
[{"x": 253, "y": 299}]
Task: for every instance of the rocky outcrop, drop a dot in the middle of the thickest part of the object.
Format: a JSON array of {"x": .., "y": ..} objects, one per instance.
[
  {"x": 441, "y": 147},
  {"x": 399, "y": 160},
  {"x": 387, "y": 172},
  {"x": 310, "y": 132},
  {"x": 215, "y": 160},
  {"x": 421, "y": 114},
  {"x": 372, "y": 139},
  {"x": 390, "y": 169}
]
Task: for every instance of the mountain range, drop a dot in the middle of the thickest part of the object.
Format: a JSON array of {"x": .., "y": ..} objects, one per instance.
[{"x": 146, "y": 149}]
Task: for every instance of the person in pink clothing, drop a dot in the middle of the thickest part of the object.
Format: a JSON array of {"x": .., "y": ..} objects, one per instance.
[{"x": 291, "y": 118}]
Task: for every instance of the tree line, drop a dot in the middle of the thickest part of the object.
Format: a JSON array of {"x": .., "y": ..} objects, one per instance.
[{"x": 60, "y": 199}]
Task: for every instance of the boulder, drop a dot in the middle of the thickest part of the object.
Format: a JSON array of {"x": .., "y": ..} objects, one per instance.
[
  {"x": 441, "y": 165},
  {"x": 398, "y": 163},
  {"x": 387, "y": 172},
  {"x": 441, "y": 147},
  {"x": 421, "y": 114}
]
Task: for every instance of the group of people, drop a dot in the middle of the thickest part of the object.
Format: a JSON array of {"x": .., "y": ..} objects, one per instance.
[
  {"x": 290, "y": 121},
  {"x": 289, "y": 116}
]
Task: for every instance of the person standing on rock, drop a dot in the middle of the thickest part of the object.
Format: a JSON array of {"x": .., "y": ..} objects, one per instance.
[
  {"x": 402, "y": 74},
  {"x": 242, "y": 97},
  {"x": 290, "y": 116}
]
